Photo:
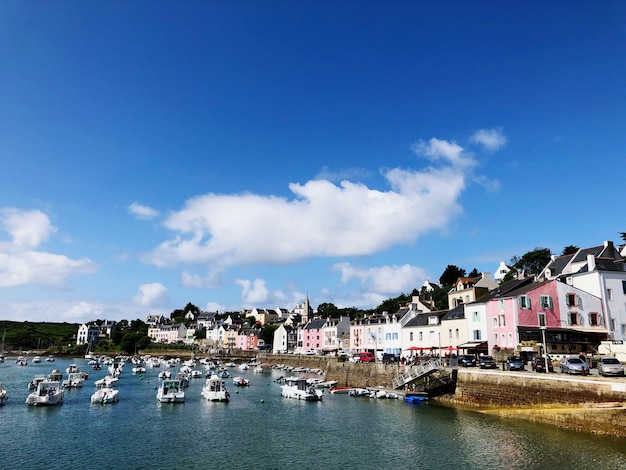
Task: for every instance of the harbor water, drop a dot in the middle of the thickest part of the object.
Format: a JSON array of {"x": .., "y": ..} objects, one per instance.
[{"x": 260, "y": 429}]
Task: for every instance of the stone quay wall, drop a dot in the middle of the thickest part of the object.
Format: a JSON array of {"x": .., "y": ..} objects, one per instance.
[
  {"x": 588, "y": 404},
  {"x": 519, "y": 389}
]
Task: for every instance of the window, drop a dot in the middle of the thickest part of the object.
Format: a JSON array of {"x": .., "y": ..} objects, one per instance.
[
  {"x": 576, "y": 319},
  {"x": 411, "y": 336},
  {"x": 495, "y": 339},
  {"x": 542, "y": 319},
  {"x": 595, "y": 319},
  {"x": 476, "y": 335},
  {"x": 624, "y": 286},
  {"x": 546, "y": 301},
  {"x": 450, "y": 333},
  {"x": 502, "y": 320},
  {"x": 510, "y": 340},
  {"x": 523, "y": 301},
  {"x": 421, "y": 336},
  {"x": 495, "y": 322},
  {"x": 457, "y": 333},
  {"x": 476, "y": 316},
  {"x": 609, "y": 294},
  {"x": 501, "y": 305},
  {"x": 571, "y": 300}
]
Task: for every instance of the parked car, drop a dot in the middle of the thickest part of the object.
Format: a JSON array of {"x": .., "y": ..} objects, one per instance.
[
  {"x": 538, "y": 364},
  {"x": 487, "y": 362},
  {"x": 514, "y": 363},
  {"x": 390, "y": 358},
  {"x": 610, "y": 366},
  {"x": 574, "y": 365},
  {"x": 467, "y": 360},
  {"x": 367, "y": 357}
]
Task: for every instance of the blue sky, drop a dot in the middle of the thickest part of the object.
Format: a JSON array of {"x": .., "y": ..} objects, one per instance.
[{"x": 239, "y": 154}]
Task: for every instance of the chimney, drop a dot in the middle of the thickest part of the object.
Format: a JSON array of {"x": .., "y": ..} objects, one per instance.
[{"x": 591, "y": 262}]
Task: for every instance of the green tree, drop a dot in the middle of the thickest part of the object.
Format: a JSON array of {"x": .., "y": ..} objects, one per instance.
[
  {"x": 474, "y": 273},
  {"x": 327, "y": 310},
  {"x": 130, "y": 342},
  {"x": 267, "y": 333},
  {"x": 533, "y": 262},
  {"x": 393, "y": 305},
  {"x": 450, "y": 275},
  {"x": 569, "y": 250}
]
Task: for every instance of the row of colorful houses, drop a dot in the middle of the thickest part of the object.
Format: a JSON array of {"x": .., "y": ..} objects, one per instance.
[{"x": 576, "y": 302}]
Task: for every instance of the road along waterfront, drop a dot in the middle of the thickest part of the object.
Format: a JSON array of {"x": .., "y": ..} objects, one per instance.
[{"x": 260, "y": 429}]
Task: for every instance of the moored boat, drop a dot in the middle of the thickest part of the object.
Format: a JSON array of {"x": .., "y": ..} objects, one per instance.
[
  {"x": 171, "y": 391},
  {"x": 106, "y": 382},
  {"x": 32, "y": 385},
  {"x": 48, "y": 392},
  {"x": 21, "y": 361},
  {"x": 297, "y": 387},
  {"x": 37, "y": 360},
  {"x": 74, "y": 380},
  {"x": 240, "y": 382},
  {"x": 3, "y": 394},
  {"x": 215, "y": 390},
  {"x": 105, "y": 395}
]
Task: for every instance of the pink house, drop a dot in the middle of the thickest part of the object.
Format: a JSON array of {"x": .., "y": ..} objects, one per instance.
[
  {"x": 313, "y": 335},
  {"x": 572, "y": 320},
  {"x": 247, "y": 341}
]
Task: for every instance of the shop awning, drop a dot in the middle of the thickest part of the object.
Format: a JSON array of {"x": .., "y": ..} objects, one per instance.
[{"x": 473, "y": 345}]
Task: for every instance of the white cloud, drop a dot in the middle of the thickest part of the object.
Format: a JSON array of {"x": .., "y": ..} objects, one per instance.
[
  {"x": 142, "y": 212},
  {"x": 41, "y": 268},
  {"x": 322, "y": 218},
  {"x": 442, "y": 150},
  {"x": 383, "y": 280},
  {"x": 150, "y": 294},
  {"x": 21, "y": 265},
  {"x": 214, "y": 307},
  {"x": 491, "y": 139},
  {"x": 194, "y": 280},
  {"x": 256, "y": 294},
  {"x": 28, "y": 229}
]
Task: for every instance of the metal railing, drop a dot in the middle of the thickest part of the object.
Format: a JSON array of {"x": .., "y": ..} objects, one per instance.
[{"x": 416, "y": 371}]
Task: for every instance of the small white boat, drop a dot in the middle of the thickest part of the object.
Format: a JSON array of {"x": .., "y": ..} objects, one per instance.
[
  {"x": 296, "y": 387},
  {"x": 74, "y": 380},
  {"x": 171, "y": 391},
  {"x": 215, "y": 390},
  {"x": 105, "y": 395},
  {"x": 47, "y": 393},
  {"x": 32, "y": 385},
  {"x": 72, "y": 368},
  {"x": 196, "y": 374},
  {"x": 107, "y": 382},
  {"x": 244, "y": 366},
  {"x": 326, "y": 384},
  {"x": 50, "y": 358},
  {"x": 223, "y": 374},
  {"x": 37, "y": 360},
  {"x": 138, "y": 370},
  {"x": 258, "y": 370},
  {"x": 3, "y": 394},
  {"x": 55, "y": 375},
  {"x": 165, "y": 374},
  {"x": 21, "y": 361},
  {"x": 240, "y": 382}
]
